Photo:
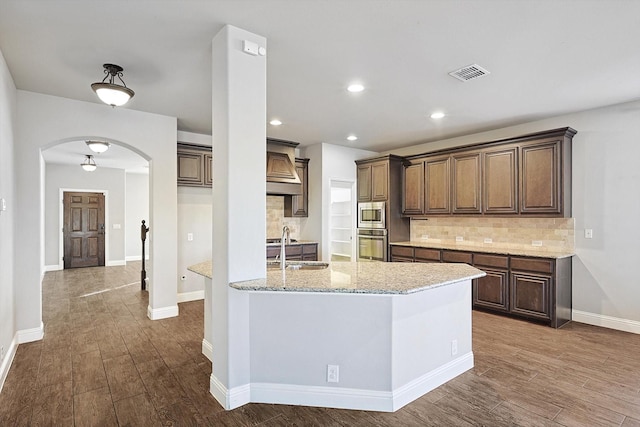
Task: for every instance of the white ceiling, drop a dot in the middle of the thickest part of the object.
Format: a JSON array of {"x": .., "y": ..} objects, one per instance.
[{"x": 546, "y": 57}]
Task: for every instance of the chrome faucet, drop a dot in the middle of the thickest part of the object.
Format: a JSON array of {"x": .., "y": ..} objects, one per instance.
[{"x": 284, "y": 240}]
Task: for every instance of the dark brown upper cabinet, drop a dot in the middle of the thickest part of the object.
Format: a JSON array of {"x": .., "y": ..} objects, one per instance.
[
  {"x": 298, "y": 205},
  {"x": 373, "y": 181},
  {"x": 500, "y": 181},
  {"x": 437, "y": 175},
  {"x": 195, "y": 163},
  {"x": 528, "y": 175},
  {"x": 413, "y": 181},
  {"x": 466, "y": 183}
]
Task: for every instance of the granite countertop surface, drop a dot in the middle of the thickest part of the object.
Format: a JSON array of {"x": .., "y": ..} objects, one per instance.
[
  {"x": 204, "y": 269},
  {"x": 362, "y": 278},
  {"x": 493, "y": 248}
]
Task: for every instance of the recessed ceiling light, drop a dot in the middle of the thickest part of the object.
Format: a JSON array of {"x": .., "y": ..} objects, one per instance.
[
  {"x": 437, "y": 115},
  {"x": 275, "y": 122},
  {"x": 352, "y": 137},
  {"x": 355, "y": 87}
]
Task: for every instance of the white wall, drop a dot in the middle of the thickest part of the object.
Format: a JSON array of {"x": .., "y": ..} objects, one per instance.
[
  {"x": 74, "y": 177},
  {"x": 195, "y": 210},
  {"x": 136, "y": 209},
  {"x": 7, "y": 217},
  {"x": 331, "y": 162},
  {"x": 605, "y": 198},
  {"x": 44, "y": 121}
]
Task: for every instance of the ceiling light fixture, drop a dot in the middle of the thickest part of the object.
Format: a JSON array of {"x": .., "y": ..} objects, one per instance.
[
  {"x": 275, "y": 122},
  {"x": 98, "y": 146},
  {"x": 437, "y": 115},
  {"x": 110, "y": 92},
  {"x": 352, "y": 138},
  {"x": 355, "y": 88},
  {"x": 89, "y": 164}
]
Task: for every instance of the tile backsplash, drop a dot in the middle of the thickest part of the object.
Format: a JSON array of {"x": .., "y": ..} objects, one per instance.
[
  {"x": 276, "y": 219},
  {"x": 552, "y": 234}
]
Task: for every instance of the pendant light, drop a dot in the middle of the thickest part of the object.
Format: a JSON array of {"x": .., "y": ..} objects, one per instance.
[
  {"x": 98, "y": 146},
  {"x": 89, "y": 164},
  {"x": 110, "y": 92}
]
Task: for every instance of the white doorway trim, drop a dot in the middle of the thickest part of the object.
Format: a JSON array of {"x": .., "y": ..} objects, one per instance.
[
  {"x": 351, "y": 185},
  {"x": 107, "y": 262}
]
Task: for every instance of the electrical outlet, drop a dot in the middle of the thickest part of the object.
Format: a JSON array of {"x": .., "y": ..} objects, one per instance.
[
  {"x": 488, "y": 240},
  {"x": 588, "y": 233},
  {"x": 1, "y": 352},
  {"x": 425, "y": 237},
  {"x": 189, "y": 237},
  {"x": 459, "y": 239},
  {"x": 536, "y": 243},
  {"x": 333, "y": 373},
  {"x": 454, "y": 347}
]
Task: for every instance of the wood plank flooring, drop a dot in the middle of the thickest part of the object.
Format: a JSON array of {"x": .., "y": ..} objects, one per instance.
[{"x": 102, "y": 362}]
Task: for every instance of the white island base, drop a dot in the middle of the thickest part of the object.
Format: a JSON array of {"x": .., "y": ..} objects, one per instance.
[{"x": 389, "y": 348}]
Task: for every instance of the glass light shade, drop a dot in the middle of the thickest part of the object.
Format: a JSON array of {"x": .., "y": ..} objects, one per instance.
[
  {"x": 98, "y": 146},
  {"x": 89, "y": 164},
  {"x": 112, "y": 94}
]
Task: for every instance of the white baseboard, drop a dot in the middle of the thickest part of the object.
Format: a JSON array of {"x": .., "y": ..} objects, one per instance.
[
  {"x": 162, "y": 313},
  {"x": 207, "y": 349},
  {"x": 8, "y": 360},
  {"x": 229, "y": 399},
  {"x": 53, "y": 267},
  {"x": 116, "y": 262},
  {"x": 30, "y": 335},
  {"x": 191, "y": 296},
  {"x": 136, "y": 258},
  {"x": 339, "y": 397},
  {"x": 617, "y": 323}
]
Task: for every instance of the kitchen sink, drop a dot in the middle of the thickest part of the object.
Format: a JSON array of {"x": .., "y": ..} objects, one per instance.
[{"x": 298, "y": 265}]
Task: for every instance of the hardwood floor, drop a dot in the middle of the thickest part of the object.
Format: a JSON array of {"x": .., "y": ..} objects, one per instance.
[{"x": 102, "y": 362}]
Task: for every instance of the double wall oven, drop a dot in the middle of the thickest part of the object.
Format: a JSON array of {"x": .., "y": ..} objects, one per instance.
[{"x": 372, "y": 232}]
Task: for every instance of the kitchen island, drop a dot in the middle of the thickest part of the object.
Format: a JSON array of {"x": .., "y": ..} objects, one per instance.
[{"x": 371, "y": 336}]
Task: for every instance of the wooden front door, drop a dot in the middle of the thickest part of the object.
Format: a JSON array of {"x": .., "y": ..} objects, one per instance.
[{"x": 83, "y": 229}]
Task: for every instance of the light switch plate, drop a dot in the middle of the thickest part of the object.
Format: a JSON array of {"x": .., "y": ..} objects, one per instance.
[
  {"x": 3, "y": 205},
  {"x": 588, "y": 233}
]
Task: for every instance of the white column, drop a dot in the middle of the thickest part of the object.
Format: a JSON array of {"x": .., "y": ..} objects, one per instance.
[{"x": 239, "y": 205}]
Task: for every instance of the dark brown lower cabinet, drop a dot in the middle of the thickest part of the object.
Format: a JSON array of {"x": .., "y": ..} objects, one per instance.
[
  {"x": 528, "y": 287},
  {"x": 295, "y": 252},
  {"x": 492, "y": 290}
]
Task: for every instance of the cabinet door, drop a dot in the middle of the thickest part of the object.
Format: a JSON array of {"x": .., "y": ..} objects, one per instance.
[
  {"x": 364, "y": 183},
  {"x": 208, "y": 170},
  {"x": 437, "y": 178},
  {"x": 466, "y": 182},
  {"x": 379, "y": 181},
  {"x": 540, "y": 166},
  {"x": 299, "y": 205},
  {"x": 530, "y": 295},
  {"x": 190, "y": 168},
  {"x": 413, "y": 189},
  {"x": 492, "y": 290},
  {"x": 500, "y": 181}
]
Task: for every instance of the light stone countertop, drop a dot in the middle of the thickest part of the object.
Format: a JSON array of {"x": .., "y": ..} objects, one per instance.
[
  {"x": 355, "y": 277},
  {"x": 533, "y": 251},
  {"x": 297, "y": 242},
  {"x": 204, "y": 269}
]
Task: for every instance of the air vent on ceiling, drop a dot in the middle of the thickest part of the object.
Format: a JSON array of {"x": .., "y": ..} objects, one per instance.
[{"x": 469, "y": 72}]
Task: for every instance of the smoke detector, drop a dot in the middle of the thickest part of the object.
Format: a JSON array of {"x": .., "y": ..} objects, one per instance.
[{"x": 469, "y": 72}]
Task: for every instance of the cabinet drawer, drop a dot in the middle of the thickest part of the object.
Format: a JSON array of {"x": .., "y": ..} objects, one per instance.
[
  {"x": 400, "y": 259},
  {"x": 273, "y": 251},
  {"x": 293, "y": 250},
  {"x": 487, "y": 260},
  {"x": 455, "y": 256},
  {"x": 424, "y": 254},
  {"x": 540, "y": 265},
  {"x": 402, "y": 251},
  {"x": 309, "y": 249}
]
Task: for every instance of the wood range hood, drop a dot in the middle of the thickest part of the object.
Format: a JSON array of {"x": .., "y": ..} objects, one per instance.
[{"x": 282, "y": 178}]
